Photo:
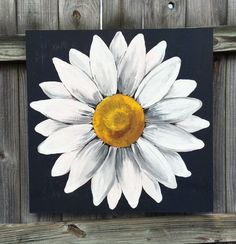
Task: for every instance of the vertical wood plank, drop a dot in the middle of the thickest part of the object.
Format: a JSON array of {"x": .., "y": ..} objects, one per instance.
[
  {"x": 9, "y": 145},
  {"x": 219, "y": 140},
  {"x": 164, "y": 13},
  {"x": 31, "y": 14},
  {"x": 206, "y": 13},
  {"x": 36, "y": 15},
  {"x": 8, "y": 17},
  {"x": 123, "y": 14},
  {"x": 9, "y": 126},
  {"x": 79, "y": 14},
  {"x": 231, "y": 120},
  {"x": 212, "y": 13}
]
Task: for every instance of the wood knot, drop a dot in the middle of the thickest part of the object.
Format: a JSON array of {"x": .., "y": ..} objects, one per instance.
[
  {"x": 2, "y": 155},
  {"x": 76, "y": 15},
  {"x": 75, "y": 230}
]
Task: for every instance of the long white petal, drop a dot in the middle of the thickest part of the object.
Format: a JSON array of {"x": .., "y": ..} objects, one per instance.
[
  {"x": 64, "y": 110},
  {"x": 155, "y": 56},
  {"x": 182, "y": 88},
  {"x": 151, "y": 160},
  {"x": 114, "y": 195},
  {"x": 63, "y": 163},
  {"x": 54, "y": 89},
  {"x": 48, "y": 126},
  {"x": 87, "y": 162},
  {"x": 171, "y": 137},
  {"x": 158, "y": 82},
  {"x": 103, "y": 67},
  {"x": 77, "y": 82},
  {"x": 67, "y": 139},
  {"x": 118, "y": 47},
  {"x": 80, "y": 60},
  {"x": 132, "y": 66},
  {"x": 104, "y": 178},
  {"x": 176, "y": 163},
  {"x": 193, "y": 123},
  {"x": 128, "y": 174},
  {"x": 173, "y": 110},
  {"x": 151, "y": 187}
]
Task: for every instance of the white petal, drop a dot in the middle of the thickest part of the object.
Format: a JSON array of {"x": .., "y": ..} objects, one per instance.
[
  {"x": 54, "y": 89},
  {"x": 63, "y": 163},
  {"x": 132, "y": 66},
  {"x": 128, "y": 174},
  {"x": 173, "y": 110},
  {"x": 48, "y": 126},
  {"x": 158, "y": 82},
  {"x": 87, "y": 162},
  {"x": 151, "y": 187},
  {"x": 103, "y": 67},
  {"x": 114, "y": 195},
  {"x": 80, "y": 60},
  {"x": 193, "y": 123},
  {"x": 171, "y": 137},
  {"x": 104, "y": 178},
  {"x": 64, "y": 110},
  {"x": 182, "y": 88},
  {"x": 77, "y": 82},
  {"x": 118, "y": 46},
  {"x": 176, "y": 163},
  {"x": 155, "y": 56},
  {"x": 151, "y": 161},
  {"x": 67, "y": 139}
]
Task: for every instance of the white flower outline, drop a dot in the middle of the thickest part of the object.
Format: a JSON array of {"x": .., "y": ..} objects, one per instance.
[{"x": 154, "y": 158}]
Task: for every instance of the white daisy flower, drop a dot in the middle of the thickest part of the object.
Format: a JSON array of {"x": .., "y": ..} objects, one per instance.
[{"x": 119, "y": 118}]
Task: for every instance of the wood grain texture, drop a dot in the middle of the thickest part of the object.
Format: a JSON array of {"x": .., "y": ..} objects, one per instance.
[
  {"x": 206, "y": 13},
  {"x": 159, "y": 14},
  {"x": 219, "y": 135},
  {"x": 9, "y": 126},
  {"x": 8, "y": 17},
  {"x": 230, "y": 120},
  {"x": 9, "y": 145},
  {"x": 37, "y": 14},
  {"x": 79, "y": 14},
  {"x": 12, "y": 48},
  {"x": 123, "y": 14},
  {"x": 31, "y": 14},
  {"x": 165, "y": 230}
]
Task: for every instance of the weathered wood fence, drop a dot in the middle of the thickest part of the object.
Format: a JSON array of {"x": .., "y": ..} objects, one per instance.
[{"x": 16, "y": 16}]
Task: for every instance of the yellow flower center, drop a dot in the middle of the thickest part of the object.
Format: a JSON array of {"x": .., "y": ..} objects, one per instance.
[{"x": 118, "y": 120}]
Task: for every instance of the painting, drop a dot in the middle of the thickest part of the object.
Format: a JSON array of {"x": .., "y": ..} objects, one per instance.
[{"x": 120, "y": 121}]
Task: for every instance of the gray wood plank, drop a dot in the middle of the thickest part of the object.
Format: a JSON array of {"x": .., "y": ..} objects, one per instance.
[
  {"x": 123, "y": 14},
  {"x": 206, "y": 13},
  {"x": 31, "y": 14},
  {"x": 164, "y": 13},
  {"x": 7, "y": 17},
  {"x": 9, "y": 145},
  {"x": 79, "y": 14},
  {"x": 9, "y": 126},
  {"x": 37, "y": 14},
  {"x": 212, "y": 13},
  {"x": 162, "y": 229},
  {"x": 230, "y": 120},
  {"x": 219, "y": 133}
]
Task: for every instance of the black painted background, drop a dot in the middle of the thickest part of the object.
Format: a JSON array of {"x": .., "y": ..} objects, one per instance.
[{"x": 194, "y": 194}]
